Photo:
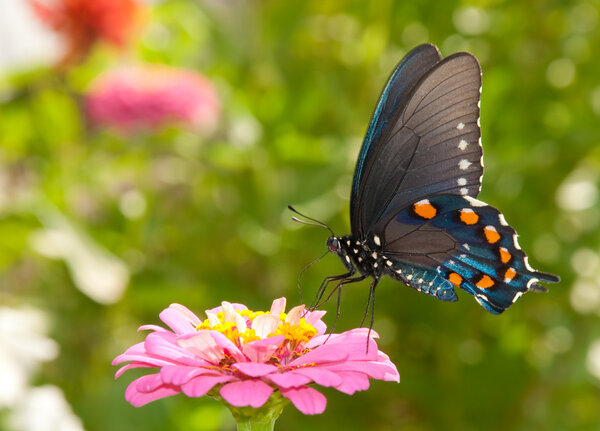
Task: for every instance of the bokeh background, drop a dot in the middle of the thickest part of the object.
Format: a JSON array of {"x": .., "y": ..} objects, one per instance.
[{"x": 148, "y": 152}]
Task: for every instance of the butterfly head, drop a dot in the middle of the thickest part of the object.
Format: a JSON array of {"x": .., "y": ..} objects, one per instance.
[{"x": 333, "y": 244}]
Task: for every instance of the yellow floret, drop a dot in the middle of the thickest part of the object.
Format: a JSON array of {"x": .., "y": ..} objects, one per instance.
[{"x": 303, "y": 332}]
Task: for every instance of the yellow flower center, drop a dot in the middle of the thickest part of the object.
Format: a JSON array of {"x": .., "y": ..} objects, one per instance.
[{"x": 295, "y": 334}]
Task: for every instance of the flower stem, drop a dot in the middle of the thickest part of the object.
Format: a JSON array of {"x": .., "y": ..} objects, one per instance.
[
  {"x": 259, "y": 419},
  {"x": 257, "y": 425}
]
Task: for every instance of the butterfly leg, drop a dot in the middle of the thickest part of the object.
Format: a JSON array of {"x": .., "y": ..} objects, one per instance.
[
  {"x": 371, "y": 304},
  {"x": 338, "y": 288},
  {"x": 317, "y": 301}
]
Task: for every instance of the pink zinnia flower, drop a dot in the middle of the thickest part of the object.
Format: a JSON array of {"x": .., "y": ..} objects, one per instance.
[
  {"x": 245, "y": 357},
  {"x": 151, "y": 97}
]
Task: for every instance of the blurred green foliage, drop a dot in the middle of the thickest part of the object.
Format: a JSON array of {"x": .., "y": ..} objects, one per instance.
[{"x": 298, "y": 82}]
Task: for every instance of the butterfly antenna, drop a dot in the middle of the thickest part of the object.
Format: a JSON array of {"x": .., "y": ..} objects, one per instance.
[
  {"x": 315, "y": 222},
  {"x": 308, "y": 265}
]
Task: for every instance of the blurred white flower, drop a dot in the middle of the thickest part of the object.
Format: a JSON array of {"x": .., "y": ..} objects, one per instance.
[
  {"x": 95, "y": 271},
  {"x": 44, "y": 409},
  {"x": 593, "y": 359},
  {"x": 23, "y": 345}
]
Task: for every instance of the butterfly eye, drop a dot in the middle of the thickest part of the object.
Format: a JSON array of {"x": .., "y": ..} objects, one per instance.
[{"x": 333, "y": 244}]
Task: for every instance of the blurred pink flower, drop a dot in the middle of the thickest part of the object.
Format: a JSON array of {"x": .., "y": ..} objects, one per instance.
[
  {"x": 246, "y": 356},
  {"x": 152, "y": 96}
]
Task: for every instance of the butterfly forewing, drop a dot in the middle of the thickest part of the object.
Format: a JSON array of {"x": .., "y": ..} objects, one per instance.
[
  {"x": 431, "y": 146},
  {"x": 395, "y": 94}
]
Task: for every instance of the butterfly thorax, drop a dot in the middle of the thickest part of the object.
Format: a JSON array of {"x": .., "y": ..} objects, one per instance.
[{"x": 361, "y": 255}]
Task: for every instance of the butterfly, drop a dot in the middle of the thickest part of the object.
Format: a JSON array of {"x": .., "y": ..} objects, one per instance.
[{"x": 413, "y": 208}]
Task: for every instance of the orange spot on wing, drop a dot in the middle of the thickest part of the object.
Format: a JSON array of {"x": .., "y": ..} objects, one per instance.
[
  {"x": 425, "y": 209},
  {"x": 468, "y": 216},
  {"x": 485, "y": 282},
  {"x": 504, "y": 255},
  {"x": 491, "y": 234},
  {"x": 455, "y": 279},
  {"x": 509, "y": 275}
]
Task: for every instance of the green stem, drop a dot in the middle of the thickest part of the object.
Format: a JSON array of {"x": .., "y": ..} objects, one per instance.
[
  {"x": 260, "y": 419},
  {"x": 257, "y": 425}
]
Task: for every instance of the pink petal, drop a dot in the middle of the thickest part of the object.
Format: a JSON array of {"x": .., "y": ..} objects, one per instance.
[
  {"x": 157, "y": 345},
  {"x": 320, "y": 376},
  {"x": 210, "y": 345},
  {"x": 177, "y": 321},
  {"x": 138, "y": 399},
  {"x": 189, "y": 315},
  {"x": 278, "y": 306},
  {"x": 253, "y": 369},
  {"x": 376, "y": 370},
  {"x": 308, "y": 400},
  {"x": 262, "y": 350},
  {"x": 265, "y": 324},
  {"x": 355, "y": 343},
  {"x": 179, "y": 374},
  {"x": 322, "y": 354},
  {"x": 229, "y": 312},
  {"x": 228, "y": 347},
  {"x": 130, "y": 366},
  {"x": 203, "y": 345},
  {"x": 253, "y": 393},
  {"x": 199, "y": 386},
  {"x": 155, "y": 328},
  {"x": 295, "y": 314},
  {"x": 352, "y": 382},
  {"x": 289, "y": 379},
  {"x": 236, "y": 306},
  {"x": 148, "y": 383},
  {"x": 314, "y": 318}
]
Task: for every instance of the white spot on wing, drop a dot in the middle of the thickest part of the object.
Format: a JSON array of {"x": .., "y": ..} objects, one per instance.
[
  {"x": 464, "y": 164},
  {"x": 388, "y": 262},
  {"x": 480, "y": 298},
  {"x": 460, "y": 126},
  {"x": 422, "y": 202},
  {"x": 409, "y": 277},
  {"x": 516, "y": 242},
  {"x": 347, "y": 258},
  {"x": 462, "y": 145},
  {"x": 532, "y": 281},
  {"x": 502, "y": 220},
  {"x": 461, "y": 181},
  {"x": 464, "y": 191},
  {"x": 374, "y": 255},
  {"x": 517, "y": 296},
  {"x": 529, "y": 268},
  {"x": 475, "y": 202},
  {"x": 376, "y": 240},
  {"x": 466, "y": 247}
]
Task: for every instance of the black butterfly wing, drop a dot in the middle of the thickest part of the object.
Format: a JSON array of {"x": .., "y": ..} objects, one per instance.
[
  {"x": 393, "y": 97},
  {"x": 445, "y": 241},
  {"x": 431, "y": 146}
]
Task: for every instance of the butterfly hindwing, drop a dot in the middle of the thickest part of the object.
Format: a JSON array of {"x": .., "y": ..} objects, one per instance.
[{"x": 464, "y": 242}]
